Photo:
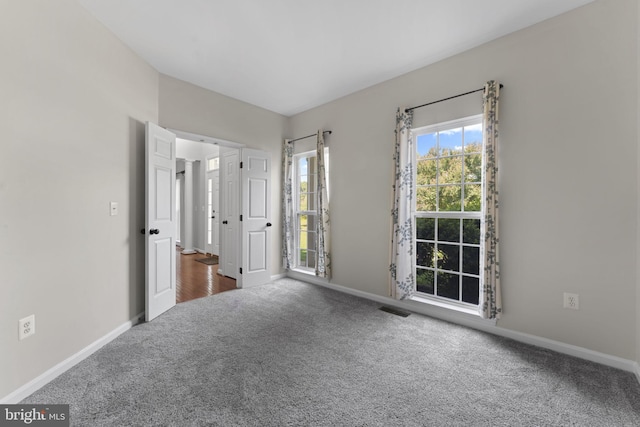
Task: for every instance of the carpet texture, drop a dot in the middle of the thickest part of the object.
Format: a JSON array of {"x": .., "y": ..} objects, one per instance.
[{"x": 293, "y": 354}]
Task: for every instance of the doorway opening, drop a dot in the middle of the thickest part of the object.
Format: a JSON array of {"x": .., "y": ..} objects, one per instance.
[{"x": 200, "y": 245}]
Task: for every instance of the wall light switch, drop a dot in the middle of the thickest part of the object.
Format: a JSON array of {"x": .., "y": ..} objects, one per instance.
[{"x": 113, "y": 208}]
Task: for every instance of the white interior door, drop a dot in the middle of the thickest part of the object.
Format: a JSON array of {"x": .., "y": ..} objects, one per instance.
[
  {"x": 256, "y": 212},
  {"x": 229, "y": 228},
  {"x": 216, "y": 213},
  {"x": 213, "y": 213},
  {"x": 160, "y": 223}
]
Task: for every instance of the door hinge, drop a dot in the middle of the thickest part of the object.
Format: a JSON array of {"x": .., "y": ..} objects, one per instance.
[
  {"x": 240, "y": 217},
  {"x": 240, "y": 270},
  {"x": 241, "y": 164}
]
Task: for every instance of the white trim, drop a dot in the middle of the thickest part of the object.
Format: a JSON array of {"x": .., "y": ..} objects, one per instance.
[
  {"x": 43, "y": 379},
  {"x": 278, "y": 276},
  {"x": 206, "y": 139},
  {"x": 488, "y": 326}
]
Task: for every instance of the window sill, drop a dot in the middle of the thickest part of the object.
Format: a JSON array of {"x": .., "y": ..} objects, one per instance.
[
  {"x": 304, "y": 271},
  {"x": 445, "y": 305}
]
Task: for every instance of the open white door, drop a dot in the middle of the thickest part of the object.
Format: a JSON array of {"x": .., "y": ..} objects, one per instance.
[
  {"x": 256, "y": 212},
  {"x": 160, "y": 286},
  {"x": 229, "y": 176}
]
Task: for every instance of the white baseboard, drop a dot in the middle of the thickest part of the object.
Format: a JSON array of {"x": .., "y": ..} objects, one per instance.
[
  {"x": 278, "y": 276},
  {"x": 483, "y": 325},
  {"x": 35, "y": 384}
]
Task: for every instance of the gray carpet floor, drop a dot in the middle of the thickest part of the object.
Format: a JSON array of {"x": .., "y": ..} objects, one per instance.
[{"x": 294, "y": 354}]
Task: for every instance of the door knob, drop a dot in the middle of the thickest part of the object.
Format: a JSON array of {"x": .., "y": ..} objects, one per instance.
[
  {"x": 225, "y": 222},
  {"x": 268, "y": 224},
  {"x": 154, "y": 231},
  {"x": 213, "y": 217}
]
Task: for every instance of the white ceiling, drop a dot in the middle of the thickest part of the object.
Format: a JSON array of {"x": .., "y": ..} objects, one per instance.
[{"x": 291, "y": 55}]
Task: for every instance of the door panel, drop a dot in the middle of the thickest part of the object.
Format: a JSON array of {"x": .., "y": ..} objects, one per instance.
[
  {"x": 256, "y": 209},
  {"x": 160, "y": 221},
  {"x": 230, "y": 216},
  {"x": 216, "y": 209}
]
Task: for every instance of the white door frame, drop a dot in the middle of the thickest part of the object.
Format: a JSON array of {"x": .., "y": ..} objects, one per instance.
[{"x": 238, "y": 147}]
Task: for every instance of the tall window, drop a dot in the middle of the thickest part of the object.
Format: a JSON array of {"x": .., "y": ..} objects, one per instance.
[
  {"x": 305, "y": 210},
  {"x": 448, "y": 210}
]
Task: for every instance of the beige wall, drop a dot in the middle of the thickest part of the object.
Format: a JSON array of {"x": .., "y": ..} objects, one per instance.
[
  {"x": 568, "y": 169},
  {"x": 637, "y": 253},
  {"x": 72, "y": 112},
  {"x": 190, "y": 108}
]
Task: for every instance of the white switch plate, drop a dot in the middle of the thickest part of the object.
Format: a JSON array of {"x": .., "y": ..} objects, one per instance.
[{"x": 113, "y": 208}]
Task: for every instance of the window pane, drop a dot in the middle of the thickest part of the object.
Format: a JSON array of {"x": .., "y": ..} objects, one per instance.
[
  {"x": 472, "y": 197},
  {"x": 471, "y": 259},
  {"x": 311, "y": 240},
  {"x": 450, "y": 198},
  {"x": 473, "y": 138},
  {"x": 449, "y": 257},
  {"x": 426, "y": 199},
  {"x": 473, "y": 168},
  {"x": 425, "y": 252},
  {"x": 449, "y": 229},
  {"x": 450, "y": 142},
  {"x": 424, "y": 281},
  {"x": 471, "y": 231},
  {"x": 311, "y": 223},
  {"x": 303, "y": 166},
  {"x": 450, "y": 170},
  {"x": 303, "y": 240},
  {"x": 311, "y": 259},
  {"x": 303, "y": 184},
  {"x": 303, "y": 257},
  {"x": 302, "y": 222},
  {"x": 426, "y": 172},
  {"x": 311, "y": 201},
  {"x": 425, "y": 228},
  {"x": 449, "y": 285},
  {"x": 470, "y": 290},
  {"x": 426, "y": 145}
]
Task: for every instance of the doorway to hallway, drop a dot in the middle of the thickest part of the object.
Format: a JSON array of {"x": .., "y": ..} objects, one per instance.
[{"x": 195, "y": 279}]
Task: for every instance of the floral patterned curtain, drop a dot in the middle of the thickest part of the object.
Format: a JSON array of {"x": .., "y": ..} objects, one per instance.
[
  {"x": 401, "y": 269},
  {"x": 323, "y": 262},
  {"x": 490, "y": 297},
  {"x": 287, "y": 204}
]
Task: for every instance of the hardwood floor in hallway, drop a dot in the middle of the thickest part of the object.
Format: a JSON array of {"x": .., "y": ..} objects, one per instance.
[{"x": 196, "y": 280}]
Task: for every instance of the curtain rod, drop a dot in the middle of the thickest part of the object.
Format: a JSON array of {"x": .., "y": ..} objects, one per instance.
[
  {"x": 309, "y": 136},
  {"x": 446, "y": 99}
]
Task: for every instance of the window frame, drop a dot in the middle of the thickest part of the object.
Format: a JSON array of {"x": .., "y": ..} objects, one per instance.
[
  {"x": 437, "y": 215},
  {"x": 297, "y": 212}
]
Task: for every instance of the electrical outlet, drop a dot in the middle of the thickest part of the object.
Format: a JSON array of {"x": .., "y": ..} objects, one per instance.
[
  {"x": 26, "y": 327},
  {"x": 571, "y": 301}
]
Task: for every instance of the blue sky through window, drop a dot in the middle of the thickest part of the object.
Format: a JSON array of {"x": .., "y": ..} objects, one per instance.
[{"x": 449, "y": 139}]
